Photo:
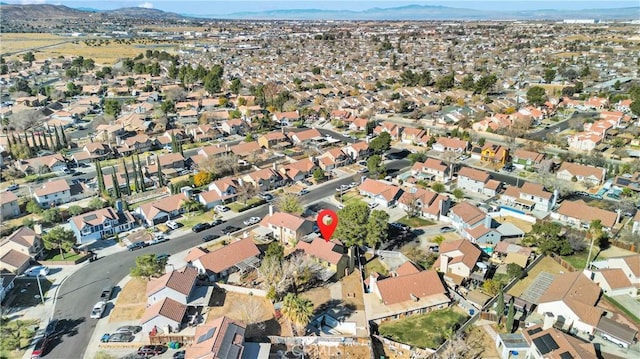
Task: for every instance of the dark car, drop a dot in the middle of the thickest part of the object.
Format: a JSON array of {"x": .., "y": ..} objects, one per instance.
[
  {"x": 133, "y": 329},
  {"x": 136, "y": 245},
  {"x": 217, "y": 222},
  {"x": 179, "y": 354},
  {"x": 151, "y": 350},
  {"x": 39, "y": 348},
  {"x": 51, "y": 328},
  {"x": 229, "y": 229},
  {"x": 446, "y": 229},
  {"x": 121, "y": 338},
  {"x": 210, "y": 237},
  {"x": 200, "y": 227}
]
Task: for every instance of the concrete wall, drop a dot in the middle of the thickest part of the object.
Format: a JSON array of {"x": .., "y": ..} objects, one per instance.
[{"x": 242, "y": 290}]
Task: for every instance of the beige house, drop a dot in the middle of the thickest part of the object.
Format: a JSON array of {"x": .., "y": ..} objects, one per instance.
[{"x": 25, "y": 240}]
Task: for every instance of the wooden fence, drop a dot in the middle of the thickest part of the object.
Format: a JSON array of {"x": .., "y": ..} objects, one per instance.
[{"x": 566, "y": 265}]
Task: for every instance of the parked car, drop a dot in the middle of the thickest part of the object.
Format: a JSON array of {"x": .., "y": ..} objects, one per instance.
[
  {"x": 67, "y": 171},
  {"x": 136, "y": 245},
  {"x": 40, "y": 348},
  {"x": 98, "y": 309},
  {"x": 221, "y": 208},
  {"x": 229, "y": 229},
  {"x": 133, "y": 329},
  {"x": 342, "y": 188},
  {"x": 172, "y": 224},
  {"x": 210, "y": 237},
  {"x": 266, "y": 196},
  {"x": 51, "y": 328},
  {"x": 12, "y": 187},
  {"x": 217, "y": 222},
  {"x": 400, "y": 226},
  {"x": 37, "y": 271},
  {"x": 446, "y": 229},
  {"x": 151, "y": 350},
  {"x": 106, "y": 293},
  {"x": 162, "y": 257},
  {"x": 373, "y": 205},
  {"x": 251, "y": 221},
  {"x": 157, "y": 238},
  {"x": 179, "y": 354},
  {"x": 303, "y": 192},
  {"x": 200, "y": 227},
  {"x": 120, "y": 338}
]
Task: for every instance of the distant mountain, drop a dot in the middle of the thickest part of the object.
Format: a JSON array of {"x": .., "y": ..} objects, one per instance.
[
  {"x": 430, "y": 12},
  {"x": 44, "y": 11},
  {"x": 145, "y": 13}
]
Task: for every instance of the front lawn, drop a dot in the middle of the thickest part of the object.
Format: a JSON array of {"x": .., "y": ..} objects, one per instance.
[
  {"x": 188, "y": 220},
  {"x": 241, "y": 206},
  {"x": 415, "y": 222},
  {"x": 424, "y": 330},
  {"x": 70, "y": 256}
]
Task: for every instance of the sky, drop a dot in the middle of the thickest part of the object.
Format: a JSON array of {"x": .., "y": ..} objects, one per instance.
[{"x": 213, "y": 7}]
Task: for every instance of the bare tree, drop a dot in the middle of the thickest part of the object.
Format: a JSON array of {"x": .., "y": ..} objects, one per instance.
[
  {"x": 26, "y": 119},
  {"x": 459, "y": 347},
  {"x": 411, "y": 201},
  {"x": 250, "y": 310},
  {"x": 246, "y": 190},
  {"x": 225, "y": 164}
]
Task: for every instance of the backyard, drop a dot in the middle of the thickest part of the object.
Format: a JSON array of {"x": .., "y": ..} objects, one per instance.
[
  {"x": 415, "y": 222},
  {"x": 424, "y": 330},
  {"x": 375, "y": 265}
]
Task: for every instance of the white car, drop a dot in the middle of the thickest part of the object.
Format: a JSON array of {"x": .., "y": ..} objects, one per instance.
[
  {"x": 172, "y": 224},
  {"x": 251, "y": 221},
  {"x": 98, "y": 309},
  {"x": 303, "y": 192},
  {"x": 157, "y": 238},
  {"x": 37, "y": 271},
  {"x": 221, "y": 208},
  {"x": 373, "y": 205}
]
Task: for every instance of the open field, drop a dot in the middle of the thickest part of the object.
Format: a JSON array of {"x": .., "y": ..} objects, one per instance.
[{"x": 131, "y": 302}]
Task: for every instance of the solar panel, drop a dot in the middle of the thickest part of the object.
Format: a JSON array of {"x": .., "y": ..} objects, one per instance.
[
  {"x": 206, "y": 336},
  {"x": 566, "y": 355},
  {"x": 534, "y": 331},
  {"x": 90, "y": 217},
  {"x": 545, "y": 344},
  {"x": 540, "y": 285}
]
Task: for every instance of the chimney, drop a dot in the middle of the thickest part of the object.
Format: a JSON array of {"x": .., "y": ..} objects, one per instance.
[
  {"x": 275, "y": 167},
  {"x": 271, "y": 210},
  {"x": 548, "y": 321},
  {"x": 487, "y": 221},
  {"x": 373, "y": 283},
  {"x": 444, "y": 263},
  {"x": 37, "y": 228}
]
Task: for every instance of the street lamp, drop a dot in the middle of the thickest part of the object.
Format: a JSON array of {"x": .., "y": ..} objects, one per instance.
[{"x": 40, "y": 287}]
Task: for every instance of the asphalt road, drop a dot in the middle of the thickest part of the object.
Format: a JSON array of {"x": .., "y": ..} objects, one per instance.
[{"x": 81, "y": 290}]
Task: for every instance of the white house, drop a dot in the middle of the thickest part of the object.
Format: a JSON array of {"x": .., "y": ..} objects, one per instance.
[
  {"x": 176, "y": 285},
  {"x": 163, "y": 314},
  {"x": 472, "y": 180},
  {"x": 53, "y": 193}
]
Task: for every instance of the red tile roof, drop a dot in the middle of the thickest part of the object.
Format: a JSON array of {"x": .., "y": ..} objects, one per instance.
[
  {"x": 181, "y": 280},
  {"x": 581, "y": 210},
  {"x": 410, "y": 287},
  {"x": 226, "y": 257},
  {"x": 167, "y": 308},
  {"x": 321, "y": 249}
]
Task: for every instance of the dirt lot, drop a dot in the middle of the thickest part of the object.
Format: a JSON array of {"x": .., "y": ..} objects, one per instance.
[
  {"x": 523, "y": 225},
  {"x": 545, "y": 265},
  {"x": 131, "y": 302},
  {"x": 318, "y": 296},
  {"x": 352, "y": 290}
]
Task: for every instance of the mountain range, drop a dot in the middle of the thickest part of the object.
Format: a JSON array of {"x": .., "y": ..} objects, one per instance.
[{"x": 409, "y": 12}]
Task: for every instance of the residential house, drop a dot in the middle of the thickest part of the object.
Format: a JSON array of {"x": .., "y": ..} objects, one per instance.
[
  {"x": 25, "y": 241},
  {"x": 444, "y": 144},
  {"x": 286, "y": 118},
  {"x": 333, "y": 256},
  {"x": 14, "y": 261},
  {"x": 98, "y": 150},
  {"x": 208, "y": 153},
  {"x": 265, "y": 179},
  {"x": 246, "y": 149},
  {"x": 580, "y": 214},
  {"x": 177, "y": 285},
  {"x": 100, "y": 224},
  {"x": 209, "y": 199},
  {"x": 570, "y": 171},
  {"x": 612, "y": 281},
  {"x": 529, "y": 197},
  {"x": 166, "y": 139},
  {"x": 411, "y": 134},
  {"x": 627, "y": 180},
  {"x": 393, "y": 129},
  {"x": 203, "y": 133},
  {"x": 239, "y": 255},
  {"x": 472, "y": 180},
  {"x": 457, "y": 258},
  {"x": 547, "y": 342},
  {"x": 9, "y": 207},
  {"x": 432, "y": 169},
  {"x": 53, "y": 193},
  {"x": 233, "y": 127},
  {"x": 357, "y": 150},
  {"x": 163, "y": 314},
  {"x": 305, "y": 137},
  {"x": 524, "y": 159},
  {"x": 630, "y": 265},
  {"x": 161, "y": 210},
  {"x": 383, "y": 193},
  {"x": 426, "y": 203},
  {"x": 222, "y": 338},
  {"x": 299, "y": 170},
  {"x": 274, "y": 140},
  {"x": 333, "y": 159},
  {"x": 408, "y": 291},
  {"x": 584, "y": 141},
  {"x": 494, "y": 154},
  {"x": 136, "y": 144},
  {"x": 44, "y": 164},
  {"x": 574, "y": 298},
  {"x": 286, "y": 227},
  {"x": 227, "y": 188},
  {"x": 474, "y": 224}
]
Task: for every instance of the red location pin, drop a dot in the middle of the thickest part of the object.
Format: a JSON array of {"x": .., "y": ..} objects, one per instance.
[{"x": 327, "y": 222}]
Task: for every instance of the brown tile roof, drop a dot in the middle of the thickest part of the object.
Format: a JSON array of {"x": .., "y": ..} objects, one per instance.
[
  {"x": 229, "y": 255},
  {"x": 24, "y": 236},
  {"x": 94, "y": 218},
  {"x": 410, "y": 287},
  {"x": 535, "y": 189},
  {"x": 14, "y": 258},
  {"x": 468, "y": 213},
  {"x": 565, "y": 343},
  {"x": 181, "y": 280},
  {"x": 633, "y": 262},
  {"x": 388, "y": 191},
  {"x": 226, "y": 341},
  {"x": 407, "y": 268},
  {"x": 474, "y": 174},
  {"x": 52, "y": 187},
  {"x": 210, "y": 196},
  {"x": 306, "y": 135},
  {"x": 578, "y": 292},
  {"x": 581, "y": 210},
  {"x": 166, "y": 204},
  {"x": 7, "y": 197},
  {"x": 532, "y": 156},
  {"x": 281, "y": 219},
  {"x": 615, "y": 278},
  {"x": 470, "y": 253},
  {"x": 452, "y": 143},
  {"x": 577, "y": 169},
  {"x": 245, "y": 148},
  {"x": 167, "y": 308},
  {"x": 194, "y": 254},
  {"x": 170, "y": 158},
  {"x": 321, "y": 249}
]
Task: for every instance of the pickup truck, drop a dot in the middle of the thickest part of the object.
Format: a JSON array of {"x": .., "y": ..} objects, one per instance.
[{"x": 106, "y": 293}]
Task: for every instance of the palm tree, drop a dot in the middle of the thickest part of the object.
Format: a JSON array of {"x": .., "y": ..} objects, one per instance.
[
  {"x": 298, "y": 310},
  {"x": 190, "y": 205}
]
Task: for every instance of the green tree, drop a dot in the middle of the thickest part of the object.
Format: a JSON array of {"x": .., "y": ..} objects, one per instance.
[
  {"x": 458, "y": 193},
  {"x": 235, "y": 86},
  {"x": 468, "y": 83},
  {"x": 97, "y": 203},
  {"x": 510, "y": 316},
  {"x": 381, "y": 143},
  {"x": 52, "y": 215},
  {"x": 318, "y": 174},
  {"x": 438, "y": 239},
  {"x": 377, "y": 228},
  {"x": 60, "y": 238},
  {"x": 147, "y": 266},
  {"x": 112, "y": 107},
  {"x": 445, "y": 82},
  {"x": 15, "y": 334},
  {"x": 635, "y": 107},
  {"x": 275, "y": 250},
  {"x": 298, "y": 310},
  {"x": 75, "y": 210},
  {"x": 352, "y": 224},
  {"x": 33, "y": 207},
  {"x": 546, "y": 236},
  {"x": 289, "y": 203},
  {"x": 438, "y": 187},
  {"x": 375, "y": 165},
  {"x": 491, "y": 286},
  {"x": 28, "y": 57},
  {"x": 190, "y": 205},
  {"x": 500, "y": 305},
  {"x": 536, "y": 95},
  {"x": 417, "y": 157},
  {"x": 549, "y": 75},
  {"x": 514, "y": 271}
]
